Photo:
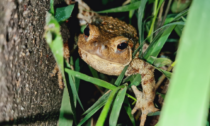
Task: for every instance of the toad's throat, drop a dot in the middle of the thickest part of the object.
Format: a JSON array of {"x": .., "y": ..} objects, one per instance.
[{"x": 102, "y": 65}]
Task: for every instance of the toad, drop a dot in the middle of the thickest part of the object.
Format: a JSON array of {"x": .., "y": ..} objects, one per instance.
[{"x": 107, "y": 45}]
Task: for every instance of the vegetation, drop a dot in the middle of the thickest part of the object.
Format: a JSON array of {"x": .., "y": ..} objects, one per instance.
[{"x": 187, "y": 99}]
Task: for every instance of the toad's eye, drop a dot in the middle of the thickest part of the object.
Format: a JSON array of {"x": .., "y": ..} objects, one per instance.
[
  {"x": 87, "y": 32},
  {"x": 122, "y": 46}
]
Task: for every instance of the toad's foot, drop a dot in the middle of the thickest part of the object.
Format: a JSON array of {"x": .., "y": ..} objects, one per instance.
[{"x": 146, "y": 106}]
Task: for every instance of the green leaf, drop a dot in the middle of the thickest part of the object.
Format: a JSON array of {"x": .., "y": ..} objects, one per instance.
[
  {"x": 178, "y": 5},
  {"x": 90, "y": 114},
  {"x": 154, "y": 113},
  {"x": 156, "y": 10},
  {"x": 90, "y": 79},
  {"x": 166, "y": 73},
  {"x": 162, "y": 95},
  {"x": 63, "y": 13},
  {"x": 155, "y": 47},
  {"x": 207, "y": 123},
  {"x": 169, "y": 19},
  {"x": 178, "y": 23},
  {"x": 128, "y": 111},
  {"x": 140, "y": 26},
  {"x": 94, "y": 108},
  {"x": 73, "y": 87},
  {"x": 134, "y": 79},
  {"x": 160, "y": 62},
  {"x": 187, "y": 99},
  {"x": 52, "y": 7},
  {"x": 120, "y": 78},
  {"x": 131, "y": 12},
  {"x": 107, "y": 106},
  {"x": 180, "y": 15},
  {"x": 94, "y": 72},
  {"x": 98, "y": 103},
  {"x": 104, "y": 2},
  {"x": 151, "y": 1},
  {"x": 117, "y": 105},
  {"x": 89, "y": 122},
  {"x": 77, "y": 68},
  {"x": 179, "y": 29},
  {"x": 124, "y": 8},
  {"x": 66, "y": 113}
]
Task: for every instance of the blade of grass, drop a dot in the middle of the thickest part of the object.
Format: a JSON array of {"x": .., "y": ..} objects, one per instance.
[
  {"x": 187, "y": 100},
  {"x": 132, "y": 6},
  {"x": 162, "y": 95},
  {"x": 98, "y": 102},
  {"x": 77, "y": 68},
  {"x": 166, "y": 73},
  {"x": 154, "y": 113},
  {"x": 179, "y": 5},
  {"x": 94, "y": 72},
  {"x": 134, "y": 79},
  {"x": 178, "y": 29},
  {"x": 180, "y": 15},
  {"x": 178, "y": 23},
  {"x": 160, "y": 62},
  {"x": 74, "y": 90},
  {"x": 155, "y": 47},
  {"x": 90, "y": 114},
  {"x": 94, "y": 108},
  {"x": 177, "y": 17},
  {"x": 140, "y": 28},
  {"x": 52, "y": 7},
  {"x": 65, "y": 110},
  {"x": 120, "y": 78},
  {"x": 90, "y": 79},
  {"x": 159, "y": 34},
  {"x": 107, "y": 106},
  {"x": 72, "y": 86},
  {"x": 128, "y": 110},
  {"x": 156, "y": 10},
  {"x": 117, "y": 105},
  {"x": 131, "y": 12}
]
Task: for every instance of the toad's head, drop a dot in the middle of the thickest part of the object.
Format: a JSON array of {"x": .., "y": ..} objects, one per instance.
[{"x": 107, "y": 45}]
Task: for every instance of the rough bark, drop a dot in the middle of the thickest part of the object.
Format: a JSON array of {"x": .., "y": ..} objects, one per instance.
[{"x": 28, "y": 95}]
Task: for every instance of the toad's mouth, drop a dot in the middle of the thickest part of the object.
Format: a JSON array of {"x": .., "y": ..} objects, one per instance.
[{"x": 102, "y": 65}]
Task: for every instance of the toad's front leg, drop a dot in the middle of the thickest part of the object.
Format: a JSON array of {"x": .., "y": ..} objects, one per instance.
[{"x": 144, "y": 99}]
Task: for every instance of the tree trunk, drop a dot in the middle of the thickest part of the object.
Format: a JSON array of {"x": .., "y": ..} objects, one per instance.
[{"x": 28, "y": 95}]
